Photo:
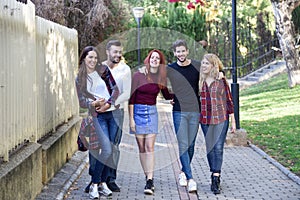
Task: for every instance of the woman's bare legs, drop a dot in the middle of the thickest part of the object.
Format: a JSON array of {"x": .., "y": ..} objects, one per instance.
[{"x": 146, "y": 152}]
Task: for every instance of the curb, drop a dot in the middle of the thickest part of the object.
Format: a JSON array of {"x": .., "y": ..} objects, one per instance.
[
  {"x": 59, "y": 185},
  {"x": 283, "y": 169},
  {"x": 72, "y": 179}
]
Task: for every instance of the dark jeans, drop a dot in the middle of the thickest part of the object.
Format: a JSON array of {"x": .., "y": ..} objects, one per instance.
[
  {"x": 215, "y": 135},
  {"x": 102, "y": 127},
  {"x": 109, "y": 128}
]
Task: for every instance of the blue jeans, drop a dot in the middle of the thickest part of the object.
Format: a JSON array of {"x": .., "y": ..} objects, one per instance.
[
  {"x": 215, "y": 135},
  {"x": 186, "y": 127},
  {"x": 97, "y": 164},
  {"x": 92, "y": 164},
  {"x": 115, "y": 134}
]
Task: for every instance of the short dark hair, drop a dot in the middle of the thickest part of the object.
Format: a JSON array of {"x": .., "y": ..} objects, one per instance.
[
  {"x": 113, "y": 43},
  {"x": 179, "y": 43}
]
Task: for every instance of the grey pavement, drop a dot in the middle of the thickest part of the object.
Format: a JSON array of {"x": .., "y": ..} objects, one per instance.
[{"x": 247, "y": 172}]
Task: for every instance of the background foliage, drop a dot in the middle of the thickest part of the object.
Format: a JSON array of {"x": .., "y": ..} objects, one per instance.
[
  {"x": 97, "y": 20},
  {"x": 296, "y": 19}
]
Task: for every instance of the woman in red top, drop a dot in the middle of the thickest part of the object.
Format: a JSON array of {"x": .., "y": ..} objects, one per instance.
[
  {"x": 143, "y": 116},
  {"x": 216, "y": 108}
]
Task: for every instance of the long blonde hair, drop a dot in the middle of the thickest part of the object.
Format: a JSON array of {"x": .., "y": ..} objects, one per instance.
[{"x": 217, "y": 66}]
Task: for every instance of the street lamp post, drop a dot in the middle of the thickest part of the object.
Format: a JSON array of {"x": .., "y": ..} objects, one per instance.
[
  {"x": 138, "y": 13},
  {"x": 235, "y": 85}
]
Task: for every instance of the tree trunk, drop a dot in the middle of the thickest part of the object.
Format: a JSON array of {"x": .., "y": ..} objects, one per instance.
[{"x": 285, "y": 33}]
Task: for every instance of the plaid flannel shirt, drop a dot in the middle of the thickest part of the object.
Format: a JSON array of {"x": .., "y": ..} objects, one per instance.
[
  {"x": 216, "y": 102},
  {"x": 87, "y": 129}
]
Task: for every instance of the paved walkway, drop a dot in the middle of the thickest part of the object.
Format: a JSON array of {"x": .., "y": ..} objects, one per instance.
[{"x": 247, "y": 172}]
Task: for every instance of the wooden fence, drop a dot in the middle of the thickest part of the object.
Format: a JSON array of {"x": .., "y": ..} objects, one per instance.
[{"x": 38, "y": 60}]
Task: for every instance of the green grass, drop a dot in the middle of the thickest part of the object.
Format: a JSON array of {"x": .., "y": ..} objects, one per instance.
[{"x": 270, "y": 113}]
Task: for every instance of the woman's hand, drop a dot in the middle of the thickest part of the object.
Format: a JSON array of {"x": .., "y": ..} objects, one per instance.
[
  {"x": 143, "y": 70},
  {"x": 233, "y": 125},
  {"x": 103, "y": 108},
  {"x": 98, "y": 103},
  {"x": 132, "y": 125}
]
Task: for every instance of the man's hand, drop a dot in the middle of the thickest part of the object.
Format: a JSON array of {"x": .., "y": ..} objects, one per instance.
[
  {"x": 143, "y": 70},
  {"x": 221, "y": 75}
]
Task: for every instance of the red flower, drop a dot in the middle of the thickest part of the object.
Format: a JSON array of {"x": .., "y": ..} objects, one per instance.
[
  {"x": 191, "y": 6},
  {"x": 200, "y": 2},
  {"x": 173, "y": 1}
]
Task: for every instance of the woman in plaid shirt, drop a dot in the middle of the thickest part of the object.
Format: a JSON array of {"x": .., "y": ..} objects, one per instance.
[
  {"x": 97, "y": 91},
  {"x": 216, "y": 108}
]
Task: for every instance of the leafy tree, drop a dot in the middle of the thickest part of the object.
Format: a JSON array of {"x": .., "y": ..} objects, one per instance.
[
  {"x": 285, "y": 32},
  {"x": 164, "y": 22},
  {"x": 94, "y": 20},
  {"x": 296, "y": 19},
  {"x": 52, "y": 10}
]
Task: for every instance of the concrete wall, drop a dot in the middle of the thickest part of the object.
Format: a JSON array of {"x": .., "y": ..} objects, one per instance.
[
  {"x": 59, "y": 148},
  {"x": 21, "y": 177},
  {"x": 36, "y": 163}
]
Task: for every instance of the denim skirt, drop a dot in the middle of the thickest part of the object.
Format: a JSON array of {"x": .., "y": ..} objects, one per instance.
[{"x": 146, "y": 119}]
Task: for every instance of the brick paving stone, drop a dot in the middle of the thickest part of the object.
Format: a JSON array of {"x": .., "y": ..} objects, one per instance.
[{"x": 245, "y": 173}]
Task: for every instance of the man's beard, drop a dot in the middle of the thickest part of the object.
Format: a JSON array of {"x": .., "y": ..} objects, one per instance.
[
  {"x": 180, "y": 60},
  {"x": 114, "y": 61}
]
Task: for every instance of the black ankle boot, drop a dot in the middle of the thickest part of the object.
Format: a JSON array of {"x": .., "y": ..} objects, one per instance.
[
  {"x": 215, "y": 184},
  {"x": 211, "y": 185}
]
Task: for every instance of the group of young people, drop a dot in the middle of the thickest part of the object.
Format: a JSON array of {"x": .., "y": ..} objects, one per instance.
[{"x": 200, "y": 95}]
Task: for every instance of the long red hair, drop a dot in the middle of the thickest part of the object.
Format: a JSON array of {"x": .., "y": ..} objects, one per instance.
[{"x": 162, "y": 71}]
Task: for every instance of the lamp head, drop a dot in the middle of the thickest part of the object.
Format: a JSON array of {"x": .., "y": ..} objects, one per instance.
[{"x": 138, "y": 12}]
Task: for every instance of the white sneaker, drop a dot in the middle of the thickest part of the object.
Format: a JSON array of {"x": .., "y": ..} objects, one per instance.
[
  {"x": 192, "y": 186},
  {"x": 93, "y": 193},
  {"x": 182, "y": 179},
  {"x": 104, "y": 190}
]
